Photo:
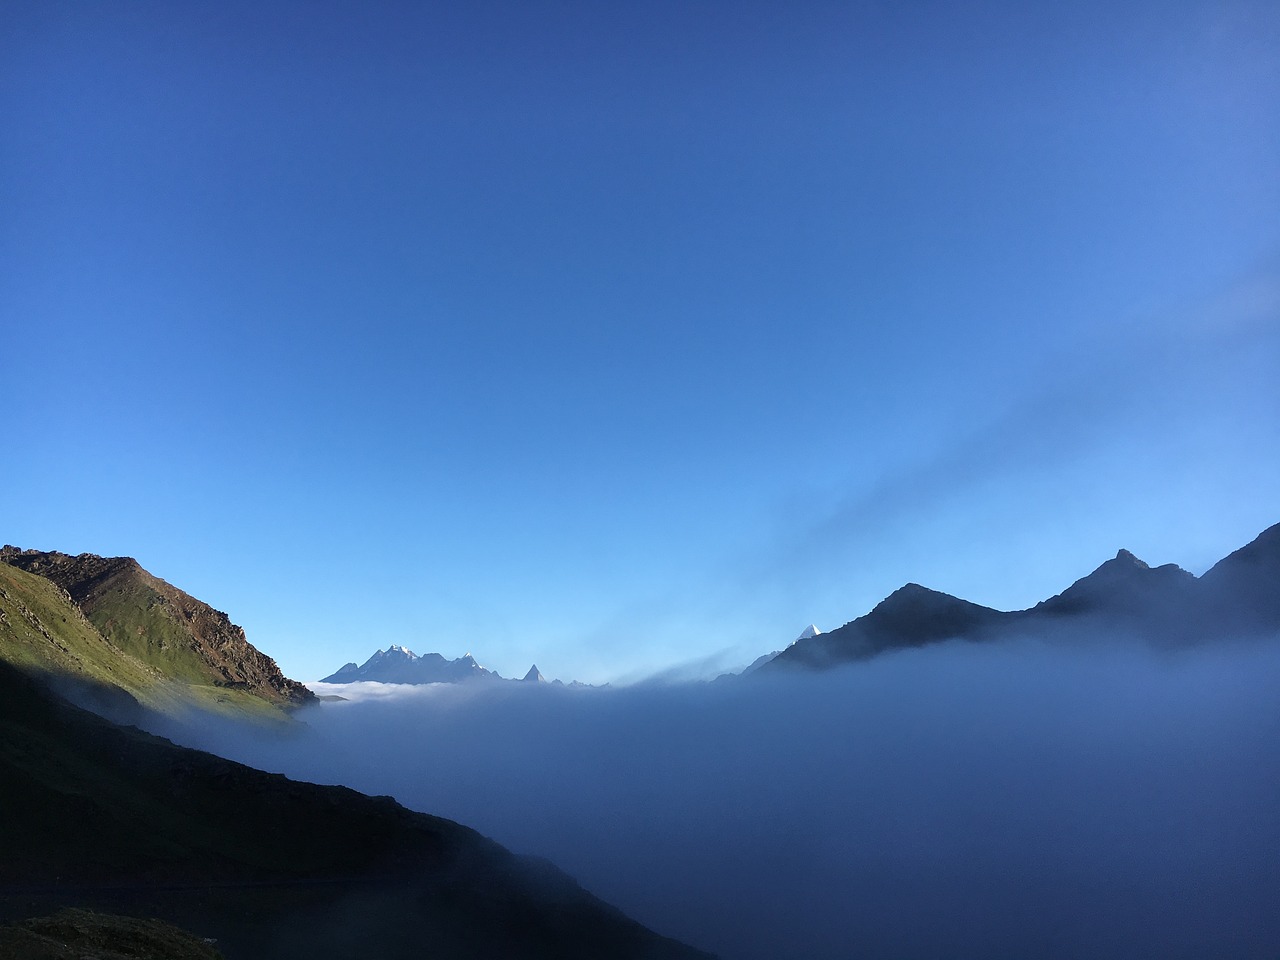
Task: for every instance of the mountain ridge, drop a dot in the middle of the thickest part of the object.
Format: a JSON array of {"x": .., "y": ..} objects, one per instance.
[{"x": 1165, "y": 605}]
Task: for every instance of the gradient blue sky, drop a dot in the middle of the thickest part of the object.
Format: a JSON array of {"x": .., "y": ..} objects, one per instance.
[{"x": 618, "y": 337}]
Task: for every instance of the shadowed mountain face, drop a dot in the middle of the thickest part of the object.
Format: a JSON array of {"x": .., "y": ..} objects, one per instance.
[
  {"x": 145, "y": 622},
  {"x": 1244, "y": 587},
  {"x": 110, "y": 817},
  {"x": 1124, "y": 588},
  {"x": 1165, "y": 605},
  {"x": 911, "y": 616}
]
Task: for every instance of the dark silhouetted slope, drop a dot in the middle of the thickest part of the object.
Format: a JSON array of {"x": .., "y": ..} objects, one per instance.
[
  {"x": 1125, "y": 591},
  {"x": 1243, "y": 589},
  {"x": 911, "y": 616},
  {"x": 93, "y": 814}
]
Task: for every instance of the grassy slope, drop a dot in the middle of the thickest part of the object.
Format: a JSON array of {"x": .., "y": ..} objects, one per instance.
[{"x": 42, "y": 630}]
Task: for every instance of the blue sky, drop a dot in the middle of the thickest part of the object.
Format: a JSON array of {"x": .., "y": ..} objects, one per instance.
[{"x": 616, "y": 339}]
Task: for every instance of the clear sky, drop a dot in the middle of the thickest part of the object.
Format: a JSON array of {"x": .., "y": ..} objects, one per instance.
[{"x": 616, "y": 337}]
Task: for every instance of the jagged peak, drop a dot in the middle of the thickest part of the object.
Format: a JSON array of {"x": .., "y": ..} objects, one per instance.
[
  {"x": 535, "y": 675},
  {"x": 809, "y": 633}
]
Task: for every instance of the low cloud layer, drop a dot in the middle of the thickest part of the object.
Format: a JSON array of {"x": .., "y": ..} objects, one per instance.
[{"x": 1010, "y": 800}]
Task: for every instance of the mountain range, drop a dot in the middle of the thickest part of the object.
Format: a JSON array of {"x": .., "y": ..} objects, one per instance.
[
  {"x": 1164, "y": 606},
  {"x": 399, "y": 664}
]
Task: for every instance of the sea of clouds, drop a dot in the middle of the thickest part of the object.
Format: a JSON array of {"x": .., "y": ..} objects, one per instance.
[{"x": 1006, "y": 800}]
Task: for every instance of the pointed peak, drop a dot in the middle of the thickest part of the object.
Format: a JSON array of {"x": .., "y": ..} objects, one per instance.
[
  {"x": 1124, "y": 556},
  {"x": 809, "y": 632},
  {"x": 534, "y": 675},
  {"x": 913, "y": 591}
]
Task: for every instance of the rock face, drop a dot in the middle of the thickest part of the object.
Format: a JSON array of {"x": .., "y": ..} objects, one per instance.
[
  {"x": 171, "y": 631},
  {"x": 398, "y": 664},
  {"x": 1165, "y": 606}
]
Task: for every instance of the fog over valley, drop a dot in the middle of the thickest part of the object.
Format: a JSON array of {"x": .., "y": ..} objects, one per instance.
[
  {"x": 417, "y": 411},
  {"x": 1012, "y": 799}
]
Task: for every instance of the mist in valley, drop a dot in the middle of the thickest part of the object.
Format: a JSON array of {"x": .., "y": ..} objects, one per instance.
[{"x": 965, "y": 800}]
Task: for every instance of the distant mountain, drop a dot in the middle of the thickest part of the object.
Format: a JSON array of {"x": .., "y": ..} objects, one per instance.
[
  {"x": 398, "y": 664},
  {"x": 110, "y": 818},
  {"x": 911, "y": 616},
  {"x": 1163, "y": 605},
  {"x": 535, "y": 675},
  {"x": 108, "y": 624}
]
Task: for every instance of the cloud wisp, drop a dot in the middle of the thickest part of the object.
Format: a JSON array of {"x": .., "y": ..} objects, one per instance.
[{"x": 1007, "y": 800}]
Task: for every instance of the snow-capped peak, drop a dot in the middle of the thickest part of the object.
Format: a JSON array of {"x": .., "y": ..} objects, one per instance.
[{"x": 808, "y": 632}]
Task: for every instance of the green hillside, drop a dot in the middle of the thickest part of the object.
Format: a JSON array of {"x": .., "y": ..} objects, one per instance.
[{"x": 107, "y": 624}]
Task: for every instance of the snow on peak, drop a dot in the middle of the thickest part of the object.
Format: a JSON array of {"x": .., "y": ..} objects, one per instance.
[{"x": 808, "y": 632}]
